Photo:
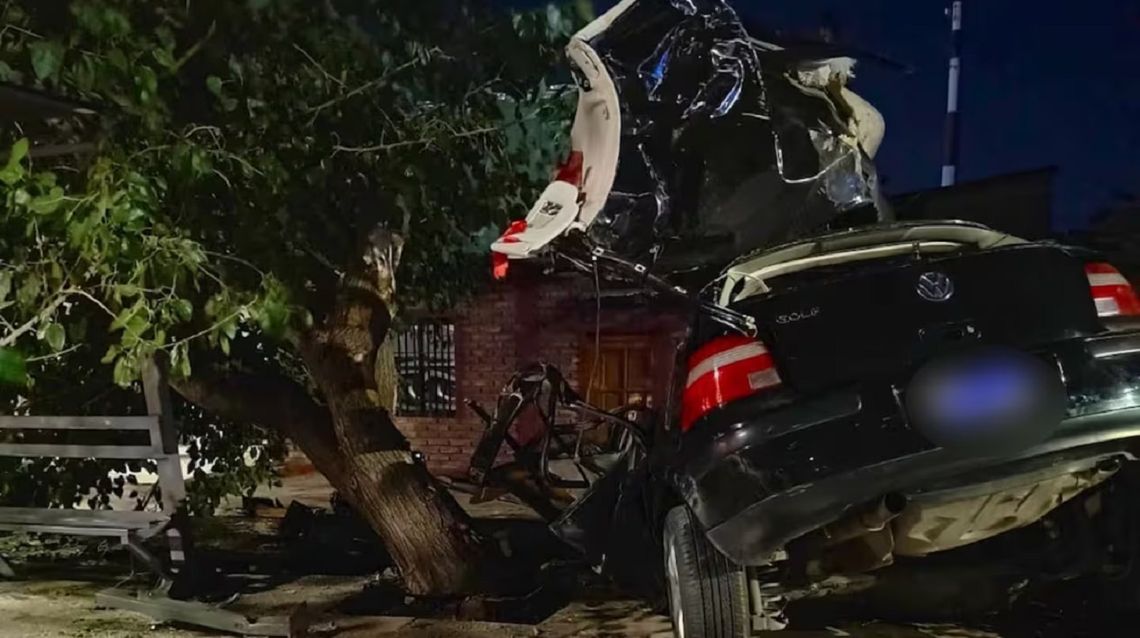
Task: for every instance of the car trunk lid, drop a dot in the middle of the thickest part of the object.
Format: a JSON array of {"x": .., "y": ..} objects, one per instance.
[{"x": 842, "y": 323}]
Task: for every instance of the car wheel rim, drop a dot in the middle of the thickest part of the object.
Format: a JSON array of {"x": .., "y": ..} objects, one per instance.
[{"x": 675, "y": 592}]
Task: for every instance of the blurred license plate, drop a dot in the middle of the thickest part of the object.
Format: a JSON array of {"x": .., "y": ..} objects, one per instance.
[
  {"x": 989, "y": 389},
  {"x": 986, "y": 395}
]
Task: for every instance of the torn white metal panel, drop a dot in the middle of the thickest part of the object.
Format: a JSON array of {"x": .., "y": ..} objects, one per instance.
[{"x": 597, "y": 129}]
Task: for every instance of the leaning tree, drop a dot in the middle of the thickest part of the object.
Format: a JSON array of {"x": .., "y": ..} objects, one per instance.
[{"x": 253, "y": 175}]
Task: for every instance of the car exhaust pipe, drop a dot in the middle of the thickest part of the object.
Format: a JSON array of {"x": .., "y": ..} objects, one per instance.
[
  {"x": 838, "y": 547},
  {"x": 872, "y": 517}
]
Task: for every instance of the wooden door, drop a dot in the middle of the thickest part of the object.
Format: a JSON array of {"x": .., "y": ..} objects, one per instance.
[{"x": 623, "y": 374}]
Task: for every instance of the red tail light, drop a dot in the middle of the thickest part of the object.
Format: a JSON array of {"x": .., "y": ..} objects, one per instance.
[
  {"x": 1113, "y": 295},
  {"x": 722, "y": 371}
]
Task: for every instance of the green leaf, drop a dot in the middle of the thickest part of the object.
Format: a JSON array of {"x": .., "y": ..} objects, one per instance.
[
  {"x": 46, "y": 179},
  {"x": 164, "y": 58},
  {"x": 13, "y": 171},
  {"x": 46, "y": 58},
  {"x": 48, "y": 203},
  {"x": 183, "y": 368},
  {"x": 55, "y": 336},
  {"x": 214, "y": 85},
  {"x": 147, "y": 83},
  {"x": 8, "y": 74},
  {"x": 56, "y": 273},
  {"x": 123, "y": 373},
  {"x": 123, "y": 317},
  {"x": 126, "y": 291},
  {"x": 134, "y": 330},
  {"x": 273, "y": 318},
  {"x": 112, "y": 352},
  {"x": 229, "y": 328},
  {"x": 13, "y": 370},
  {"x": 118, "y": 59},
  {"x": 77, "y": 330},
  {"x": 19, "y": 151},
  {"x": 184, "y": 309},
  {"x": 29, "y": 290}
]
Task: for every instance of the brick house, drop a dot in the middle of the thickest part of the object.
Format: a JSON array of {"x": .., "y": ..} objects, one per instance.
[{"x": 528, "y": 318}]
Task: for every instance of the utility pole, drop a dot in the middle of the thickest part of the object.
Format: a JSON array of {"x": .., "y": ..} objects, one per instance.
[{"x": 950, "y": 143}]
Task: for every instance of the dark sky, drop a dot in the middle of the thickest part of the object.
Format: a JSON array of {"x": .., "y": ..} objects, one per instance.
[{"x": 1044, "y": 83}]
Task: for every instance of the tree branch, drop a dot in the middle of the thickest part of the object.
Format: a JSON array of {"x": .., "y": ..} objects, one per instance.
[
  {"x": 205, "y": 331},
  {"x": 423, "y": 140},
  {"x": 48, "y": 311},
  {"x": 315, "y": 110},
  {"x": 316, "y": 64},
  {"x": 273, "y": 402},
  {"x": 194, "y": 49}
]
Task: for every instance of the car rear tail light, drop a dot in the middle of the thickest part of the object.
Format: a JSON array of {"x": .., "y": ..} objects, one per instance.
[
  {"x": 722, "y": 371},
  {"x": 1112, "y": 293}
]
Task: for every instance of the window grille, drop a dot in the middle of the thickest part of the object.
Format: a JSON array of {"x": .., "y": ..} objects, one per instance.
[{"x": 425, "y": 361}]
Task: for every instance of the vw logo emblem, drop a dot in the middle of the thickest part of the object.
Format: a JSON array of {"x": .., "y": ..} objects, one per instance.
[{"x": 935, "y": 286}]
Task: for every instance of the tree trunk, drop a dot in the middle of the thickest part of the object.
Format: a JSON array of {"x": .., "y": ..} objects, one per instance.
[
  {"x": 426, "y": 532},
  {"x": 352, "y": 440},
  {"x": 387, "y": 377}
]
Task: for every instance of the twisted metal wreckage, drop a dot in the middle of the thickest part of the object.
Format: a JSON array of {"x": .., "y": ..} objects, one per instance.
[{"x": 693, "y": 143}]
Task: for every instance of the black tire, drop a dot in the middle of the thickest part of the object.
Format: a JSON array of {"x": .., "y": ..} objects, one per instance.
[{"x": 708, "y": 594}]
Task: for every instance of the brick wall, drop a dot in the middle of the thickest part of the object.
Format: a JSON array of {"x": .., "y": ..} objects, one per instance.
[{"x": 510, "y": 325}]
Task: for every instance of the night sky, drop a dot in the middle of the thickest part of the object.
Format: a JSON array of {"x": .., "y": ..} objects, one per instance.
[{"x": 1044, "y": 83}]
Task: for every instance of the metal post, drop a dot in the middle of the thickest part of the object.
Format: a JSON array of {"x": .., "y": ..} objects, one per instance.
[{"x": 950, "y": 144}]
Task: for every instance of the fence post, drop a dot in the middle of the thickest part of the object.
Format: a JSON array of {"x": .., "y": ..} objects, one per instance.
[
  {"x": 156, "y": 389},
  {"x": 158, "y": 403}
]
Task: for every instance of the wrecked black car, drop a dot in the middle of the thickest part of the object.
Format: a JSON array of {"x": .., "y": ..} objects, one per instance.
[{"x": 850, "y": 394}]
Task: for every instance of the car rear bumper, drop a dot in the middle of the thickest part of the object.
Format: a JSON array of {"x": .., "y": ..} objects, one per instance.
[{"x": 759, "y": 477}]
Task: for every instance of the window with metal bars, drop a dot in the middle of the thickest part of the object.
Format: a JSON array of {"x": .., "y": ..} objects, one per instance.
[{"x": 425, "y": 361}]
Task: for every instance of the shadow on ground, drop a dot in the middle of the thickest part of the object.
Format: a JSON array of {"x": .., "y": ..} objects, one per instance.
[{"x": 333, "y": 564}]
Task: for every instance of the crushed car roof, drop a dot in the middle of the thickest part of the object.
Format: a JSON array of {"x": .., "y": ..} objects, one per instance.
[{"x": 699, "y": 144}]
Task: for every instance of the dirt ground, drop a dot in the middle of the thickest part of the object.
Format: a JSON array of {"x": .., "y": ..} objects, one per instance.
[
  {"x": 58, "y": 600},
  {"x": 55, "y": 598},
  {"x": 66, "y": 609}
]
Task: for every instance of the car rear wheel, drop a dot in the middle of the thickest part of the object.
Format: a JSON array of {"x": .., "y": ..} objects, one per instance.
[{"x": 708, "y": 594}]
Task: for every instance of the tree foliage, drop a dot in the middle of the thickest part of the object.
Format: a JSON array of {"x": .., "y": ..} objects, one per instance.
[{"x": 241, "y": 153}]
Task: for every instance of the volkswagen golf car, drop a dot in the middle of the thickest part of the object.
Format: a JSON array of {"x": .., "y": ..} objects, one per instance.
[{"x": 853, "y": 393}]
